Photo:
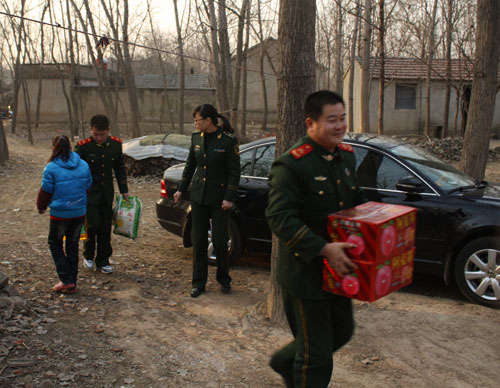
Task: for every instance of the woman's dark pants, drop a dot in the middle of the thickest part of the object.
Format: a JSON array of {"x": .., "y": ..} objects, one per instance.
[{"x": 66, "y": 262}]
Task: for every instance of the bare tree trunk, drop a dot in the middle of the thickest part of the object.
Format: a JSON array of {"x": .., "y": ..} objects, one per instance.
[
  {"x": 484, "y": 89},
  {"x": 217, "y": 68},
  {"x": 73, "y": 85},
  {"x": 59, "y": 72},
  {"x": 243, "y": 130},
  {"x": 339, "y": 69},
  {"x": 125, "y": 63},
  {"x": 263, "y": 126},
  {"x": 430, "y": 55},
  {"x": 181, "y": 70},
  {"x": 297, "y": 77},
  {"x": 449, "y": 32},
  {"x": 17, "y": 68},
  {"x": 27, "y": 108},
  {"x": 104, "y": 87},
  {"x": 225, "y": 56},
  {"x": 350, "y": 114},
  {"x": 129, "y": 75},
  {"x": 4, "y": 147},
  {"x": 40, "y": 69},
  {"x": 457, "y": 109},
  {"x": 164, "y": 99},
  {"x": 381, "y": 86},
  {"x": 235, "y": 95},
  {"x": 365, "y": 68}
]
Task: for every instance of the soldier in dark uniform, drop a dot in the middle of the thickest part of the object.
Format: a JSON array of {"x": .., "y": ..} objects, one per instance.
[
  {"x": 103, "y": 153},
  {"x": 315, "y": 178},
  {"x": 213, "y": 167}
]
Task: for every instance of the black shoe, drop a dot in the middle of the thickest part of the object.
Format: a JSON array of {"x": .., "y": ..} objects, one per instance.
[
  {"x": 197, "y": 291},
  {"x": 287, "y": 379},
  {"x": 226, "y": 288}
]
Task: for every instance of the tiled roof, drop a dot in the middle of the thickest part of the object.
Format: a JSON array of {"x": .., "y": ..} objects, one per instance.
[
  {"x": 416, "y": 69},
  {"x": 154, "y": 81}
]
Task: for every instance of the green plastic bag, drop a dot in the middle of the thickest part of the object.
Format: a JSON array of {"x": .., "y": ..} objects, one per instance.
[{"x": 127, "y": 215}]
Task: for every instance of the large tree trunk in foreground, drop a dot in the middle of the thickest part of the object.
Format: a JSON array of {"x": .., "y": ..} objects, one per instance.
[
  {"x": 296, "y": 80},
  {"x": 484, "y": 89}
]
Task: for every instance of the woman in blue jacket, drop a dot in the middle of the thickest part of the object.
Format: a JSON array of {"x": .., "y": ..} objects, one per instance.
[{"x": 66, "y": 179}]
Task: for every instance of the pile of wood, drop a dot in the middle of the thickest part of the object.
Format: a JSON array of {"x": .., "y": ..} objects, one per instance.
[
  {"x": 153, "y": 167},
  {"x": 449, "y": 149}
]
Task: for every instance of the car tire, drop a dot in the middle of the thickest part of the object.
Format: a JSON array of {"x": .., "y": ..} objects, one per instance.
[
  {"x": 477, "y": 271},
  {"x": 234, "y": 245}
]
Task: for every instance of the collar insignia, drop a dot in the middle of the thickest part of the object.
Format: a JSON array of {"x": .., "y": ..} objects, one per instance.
[{"x": 328, "y": 158}]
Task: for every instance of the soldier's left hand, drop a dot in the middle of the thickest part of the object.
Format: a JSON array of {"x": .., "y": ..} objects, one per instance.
[
  {"x": 125, "y": 196},
  {"x": 337, "y": 258},
  {"x": 226, "y": 205}
]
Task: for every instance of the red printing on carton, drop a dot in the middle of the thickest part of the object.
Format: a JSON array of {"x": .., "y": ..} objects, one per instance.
[{"x": 384, "y": 235}]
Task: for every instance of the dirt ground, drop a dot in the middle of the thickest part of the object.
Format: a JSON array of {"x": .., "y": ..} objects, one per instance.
[{"x": 139, "y": 328}]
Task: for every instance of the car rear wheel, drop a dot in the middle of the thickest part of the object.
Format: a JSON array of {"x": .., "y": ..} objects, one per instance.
[
  {"x": 234, "y": 244},
  {"x": 477, "y": 271}
]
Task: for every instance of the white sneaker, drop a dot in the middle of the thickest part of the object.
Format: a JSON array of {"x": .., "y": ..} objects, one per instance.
[
  {"x": 89, "y": 264},
  {"x": 106, "y": 269}
]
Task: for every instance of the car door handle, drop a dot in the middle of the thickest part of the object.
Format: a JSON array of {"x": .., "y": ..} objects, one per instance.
[{"x": 242, "y": 195}]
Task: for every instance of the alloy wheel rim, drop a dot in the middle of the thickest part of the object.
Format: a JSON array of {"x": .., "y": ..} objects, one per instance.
[
  {"x": 211, "y": 249},
  {"x": 482, "y": 274}
]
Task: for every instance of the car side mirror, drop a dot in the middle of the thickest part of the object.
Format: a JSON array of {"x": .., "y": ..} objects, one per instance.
[{"x": 410, "y": 185}]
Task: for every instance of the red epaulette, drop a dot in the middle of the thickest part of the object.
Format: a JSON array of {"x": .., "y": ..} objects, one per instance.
[
  {"x": 116, "y": 139},
  {"x": 346, "y": 147},
  {"x": 301, "y": 151},
  {"x": 85, "y": 141}
]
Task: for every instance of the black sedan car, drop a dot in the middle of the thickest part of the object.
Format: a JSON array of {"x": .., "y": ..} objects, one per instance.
[{"x": 458, "y": 222}]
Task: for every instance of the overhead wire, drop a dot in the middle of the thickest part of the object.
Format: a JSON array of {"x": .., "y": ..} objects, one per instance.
[{"x": 57, "y": 25}]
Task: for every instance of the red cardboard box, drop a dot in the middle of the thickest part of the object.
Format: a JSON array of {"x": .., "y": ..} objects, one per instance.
[
  {"x": 379, "y": 230},
  {"x": 371, "y": 280},
  {"x": 384, "y": 235}
]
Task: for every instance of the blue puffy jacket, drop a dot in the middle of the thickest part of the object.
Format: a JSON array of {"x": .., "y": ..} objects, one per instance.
[{"x": 68, "y": 182}]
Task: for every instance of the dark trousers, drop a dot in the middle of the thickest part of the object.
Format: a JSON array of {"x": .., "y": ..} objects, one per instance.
[
  {"x": 200, "y": 216},
  {"x": 320, "y": 327},
  {"x": 99, "y": 221},
  {"x": 66, "y": 263}
]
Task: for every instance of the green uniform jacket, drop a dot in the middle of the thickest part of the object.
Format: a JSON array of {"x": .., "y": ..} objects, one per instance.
[
  {"x": 102, "y": 160},
  {"x": 307, "y": 184},
  {"x": 214, "y": 172}
]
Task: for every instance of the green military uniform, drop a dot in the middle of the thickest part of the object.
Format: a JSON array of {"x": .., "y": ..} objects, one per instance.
[
  {"x": 102, "y": 159},
  {"x": 215, "y": 176},
  {"x": 306, "y": 184}
]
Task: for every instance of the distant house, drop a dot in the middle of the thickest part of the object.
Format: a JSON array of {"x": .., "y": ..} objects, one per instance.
[
  {"x": 154, "y": 104},
  {"x": 404, "y": 97}
]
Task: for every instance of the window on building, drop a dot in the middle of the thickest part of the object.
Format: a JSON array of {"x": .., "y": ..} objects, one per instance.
[{"x": 406, "y": 96}]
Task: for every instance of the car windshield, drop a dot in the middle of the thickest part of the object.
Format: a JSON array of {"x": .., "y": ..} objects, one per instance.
[{"x": 442, "y": 174}]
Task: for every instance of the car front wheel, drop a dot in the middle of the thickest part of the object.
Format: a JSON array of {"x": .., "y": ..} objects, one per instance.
[
  {"x": 234, "y": 244},
  {"x": 477, "y": 271}
]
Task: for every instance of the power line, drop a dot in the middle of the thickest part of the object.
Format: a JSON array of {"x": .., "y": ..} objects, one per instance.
[{"x": 57, "y": 25}]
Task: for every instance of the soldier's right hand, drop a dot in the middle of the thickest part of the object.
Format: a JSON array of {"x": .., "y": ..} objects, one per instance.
[
  {"x": 177, "y": 196},
  {"x": 337, "y": 258}
]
